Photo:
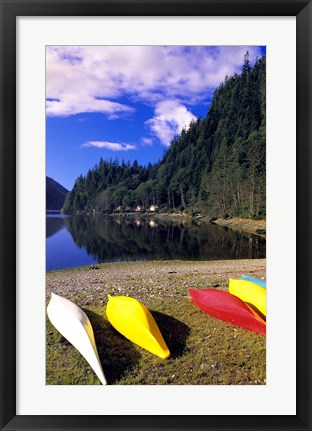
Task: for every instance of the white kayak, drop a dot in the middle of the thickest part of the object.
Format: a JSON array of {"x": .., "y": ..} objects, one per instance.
[{"x": 73, "y": 323}]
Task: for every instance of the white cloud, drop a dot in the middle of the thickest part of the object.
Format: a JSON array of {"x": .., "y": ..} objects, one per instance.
[
  {"x": 146, "y": 141},
  {"x": 113, "y": 146},
  {"x": 169, "y": 120},
  {"x": 93, "y": 78},
  {"x": 72, "y": 105}
]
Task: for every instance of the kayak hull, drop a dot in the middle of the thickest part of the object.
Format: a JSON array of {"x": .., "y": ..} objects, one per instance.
[
  {"x": 135, "y": 322},
  {"x": 261, "y": 283},
  {"x": 229, "y": 308},
  {"x": 249, "y": 292},
  {"x": 73, "y": 323}
]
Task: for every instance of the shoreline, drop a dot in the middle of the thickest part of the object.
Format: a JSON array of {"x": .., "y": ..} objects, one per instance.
[
  {"x": 255, "y": 227},
  {"x": 250, "y": 226}
]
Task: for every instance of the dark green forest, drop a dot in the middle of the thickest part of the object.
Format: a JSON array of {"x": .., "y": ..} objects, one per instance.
[{"x": 216, "y": 166}]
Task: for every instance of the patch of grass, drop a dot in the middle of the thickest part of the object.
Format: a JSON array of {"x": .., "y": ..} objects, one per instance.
[{"x": 204, "y": 350}]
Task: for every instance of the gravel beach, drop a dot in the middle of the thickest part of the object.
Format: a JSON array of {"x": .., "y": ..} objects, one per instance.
[{"x": 148, "y": 279}]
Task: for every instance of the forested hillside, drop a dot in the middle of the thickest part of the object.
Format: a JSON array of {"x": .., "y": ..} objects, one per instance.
[{"x": 216, "y": 166}]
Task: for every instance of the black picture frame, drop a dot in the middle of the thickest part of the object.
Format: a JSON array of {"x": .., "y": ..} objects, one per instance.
[{"x": 10, "y": 9}]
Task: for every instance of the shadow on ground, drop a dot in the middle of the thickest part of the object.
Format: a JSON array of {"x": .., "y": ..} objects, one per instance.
[
  {"x": 175, "y": 333},
  {"x": 117, "y": 354}
]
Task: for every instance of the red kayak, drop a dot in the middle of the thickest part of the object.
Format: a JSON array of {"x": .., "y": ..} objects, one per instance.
[{"x": 227, "y": 307}]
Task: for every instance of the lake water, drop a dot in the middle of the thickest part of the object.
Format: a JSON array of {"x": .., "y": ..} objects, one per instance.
[{"x": 84, "y": 240}]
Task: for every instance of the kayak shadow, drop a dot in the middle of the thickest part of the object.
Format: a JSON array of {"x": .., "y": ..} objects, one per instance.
[
  {"x": 175, "y": 333},
  {"x": 116, "y": 353},
  {"x": 263, "y": 317}
]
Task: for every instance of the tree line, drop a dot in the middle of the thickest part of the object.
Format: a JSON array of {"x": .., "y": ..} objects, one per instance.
[{"x": 216, "y": 166}]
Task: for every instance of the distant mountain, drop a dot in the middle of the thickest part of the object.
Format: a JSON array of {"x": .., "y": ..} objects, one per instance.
[{"x": 55, "y": 194}]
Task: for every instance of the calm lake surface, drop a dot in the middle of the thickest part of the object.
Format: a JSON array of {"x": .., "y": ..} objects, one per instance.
[{"x": 73, "y": 241}]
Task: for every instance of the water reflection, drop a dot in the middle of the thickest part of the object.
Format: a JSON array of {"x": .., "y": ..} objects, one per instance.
[
  {"x": 108, "y": 239},
  {"x": 53, "y": 225}
]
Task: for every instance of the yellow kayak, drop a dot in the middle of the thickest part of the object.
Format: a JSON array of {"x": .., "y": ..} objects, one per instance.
[
  {"x": 249, "y": 292},
  {"x": 134, "y": 321}
]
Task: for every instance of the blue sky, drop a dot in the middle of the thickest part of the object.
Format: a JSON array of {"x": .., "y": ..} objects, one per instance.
[{"x": 127, "y": 102}]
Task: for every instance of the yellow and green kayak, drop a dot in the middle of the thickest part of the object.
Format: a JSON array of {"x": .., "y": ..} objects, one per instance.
[
  {"x": 249, "y": 292},
  {"x": 135, "y": 322}
]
